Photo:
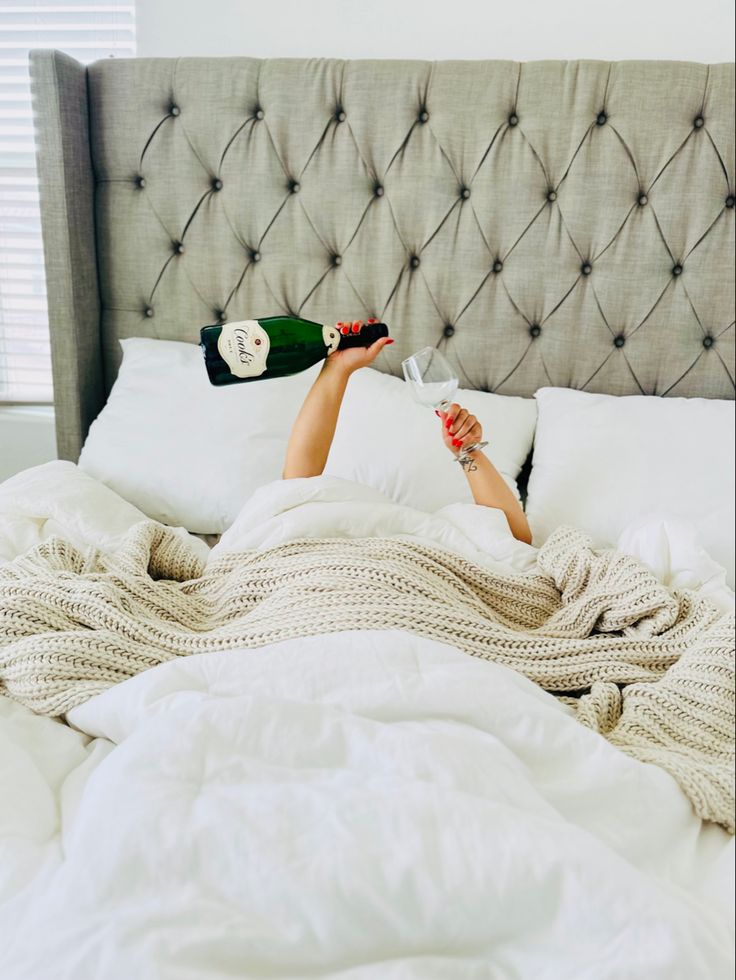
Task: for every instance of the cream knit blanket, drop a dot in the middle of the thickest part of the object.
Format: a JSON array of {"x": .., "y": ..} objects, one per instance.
[{"x": 651, "y": 671}]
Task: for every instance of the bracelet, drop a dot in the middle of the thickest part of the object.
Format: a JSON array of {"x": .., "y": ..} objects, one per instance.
[{"x": 464, "y": 458}]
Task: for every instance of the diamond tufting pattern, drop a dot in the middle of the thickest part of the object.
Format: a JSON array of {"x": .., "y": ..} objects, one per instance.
[{"x": 563, "y": 223}]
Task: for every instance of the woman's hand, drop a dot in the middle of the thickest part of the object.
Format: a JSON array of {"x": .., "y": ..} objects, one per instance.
[
  {"x": 348, "y": 361},
  {"x": 459, "y": 428}
]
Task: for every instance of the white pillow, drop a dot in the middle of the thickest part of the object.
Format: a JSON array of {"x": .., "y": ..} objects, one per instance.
[
  {"x": 602, "y": 462},
  {"x": 184, "y": 452},
  {"x": 386, "y": 440}
]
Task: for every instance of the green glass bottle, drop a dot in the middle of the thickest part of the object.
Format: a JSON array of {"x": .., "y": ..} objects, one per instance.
[{"x": 276, "y": 346}]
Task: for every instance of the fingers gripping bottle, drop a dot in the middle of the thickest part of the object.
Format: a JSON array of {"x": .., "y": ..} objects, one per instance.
[{"x": 276, "y": 346}]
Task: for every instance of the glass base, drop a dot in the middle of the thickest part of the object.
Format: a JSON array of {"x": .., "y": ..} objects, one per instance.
[{"x": 463, "y": 457}]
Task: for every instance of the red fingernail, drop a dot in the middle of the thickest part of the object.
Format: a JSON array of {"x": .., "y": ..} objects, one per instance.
[
  {"x": 344, "y": 330},
  {"x": 389, "y": 341},
  {"x": 456, "y": 442},
  {"x": 356, "y": 328},
  {"x": 448, "y": 423},
  {"x": 371, "y": 319}
]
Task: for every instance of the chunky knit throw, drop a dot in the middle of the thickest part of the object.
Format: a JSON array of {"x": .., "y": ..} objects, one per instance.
[{"x": 650, "y": 670}]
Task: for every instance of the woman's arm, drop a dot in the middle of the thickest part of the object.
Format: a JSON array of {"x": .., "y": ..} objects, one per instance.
[
  {"x": 314, "y": 427},
  {"x": 488, "y": 487}
]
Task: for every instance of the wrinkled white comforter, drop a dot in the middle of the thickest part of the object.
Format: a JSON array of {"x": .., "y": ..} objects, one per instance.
[{"x": 360, "y": 805}]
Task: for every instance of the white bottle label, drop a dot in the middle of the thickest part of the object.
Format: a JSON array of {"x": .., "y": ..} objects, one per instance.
[
  {"x": 331, "y": 337},
  {"x": 244, "y": 347}
]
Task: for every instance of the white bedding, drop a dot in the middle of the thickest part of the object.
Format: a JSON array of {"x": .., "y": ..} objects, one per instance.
[{"x": 367, "y": 805}]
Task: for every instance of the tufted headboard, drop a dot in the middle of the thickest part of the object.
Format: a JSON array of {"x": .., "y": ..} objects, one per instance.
[{"x": 563, "y": 223}]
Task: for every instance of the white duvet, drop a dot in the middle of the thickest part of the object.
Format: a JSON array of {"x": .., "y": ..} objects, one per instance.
[{"x": 360, "y": 805}]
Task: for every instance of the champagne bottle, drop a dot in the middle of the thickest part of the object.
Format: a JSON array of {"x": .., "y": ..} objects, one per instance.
[{"x": 275, "y": 346}]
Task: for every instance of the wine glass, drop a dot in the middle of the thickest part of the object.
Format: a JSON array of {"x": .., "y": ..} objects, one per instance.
[{"x": 433, "y": 383}]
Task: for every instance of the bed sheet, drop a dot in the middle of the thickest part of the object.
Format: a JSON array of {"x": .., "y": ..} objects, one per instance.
[{"x": 363, "y": 805}]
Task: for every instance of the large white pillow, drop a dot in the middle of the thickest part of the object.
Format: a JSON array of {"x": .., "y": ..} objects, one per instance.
[
  {"x": 184, "y": 452},
  {"x": 602, "y": 462},
  {"x": 386, "y": 440}
]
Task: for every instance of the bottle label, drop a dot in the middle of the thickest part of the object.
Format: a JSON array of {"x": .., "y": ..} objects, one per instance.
[
  {"x": 244, "y": 347},
  {"x": 331, "y": 337}
]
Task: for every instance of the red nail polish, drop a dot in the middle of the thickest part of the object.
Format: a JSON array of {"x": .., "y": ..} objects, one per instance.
[
  {"x": 389, "y": 341},
  {"x": 356, "y": 328},
  {"x": 344, "y": 330},
  {"x": 371, "y": 319},
  {"x": 456, "y": 442},
  {"x": 449, "y": 422}
]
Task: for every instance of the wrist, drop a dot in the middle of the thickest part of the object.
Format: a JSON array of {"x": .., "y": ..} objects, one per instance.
[
  {"x": 471, "y": 454},
  {"x": 335, "y": 370},
  {"x": 472, "y": 462},
  {"x": 337, "y": 366}
]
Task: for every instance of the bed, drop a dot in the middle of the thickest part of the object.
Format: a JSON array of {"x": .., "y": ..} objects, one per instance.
[{"x": 368, "y": 800}]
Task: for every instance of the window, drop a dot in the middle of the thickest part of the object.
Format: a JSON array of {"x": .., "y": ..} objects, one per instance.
[{"x": 87, "y": 31}]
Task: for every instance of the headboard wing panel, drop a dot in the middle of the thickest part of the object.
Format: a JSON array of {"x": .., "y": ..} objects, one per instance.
[{"x": 565, "y": 223}]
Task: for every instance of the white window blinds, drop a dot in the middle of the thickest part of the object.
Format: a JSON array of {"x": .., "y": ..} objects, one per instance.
[{"x": 87, "y": 31}]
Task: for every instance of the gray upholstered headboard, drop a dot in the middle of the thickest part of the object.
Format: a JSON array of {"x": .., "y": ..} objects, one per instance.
[{"x": 565, "y": 223}]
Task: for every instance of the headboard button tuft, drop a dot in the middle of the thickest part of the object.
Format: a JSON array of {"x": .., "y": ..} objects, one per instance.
[
  {"x": 337, "y": 260},
  {"x": 148, "y": 311},
  {"x": 178, "y": 247},
  {"x": 255, "y": 256},
  {"x": 619, "y": 341},
  {"x": 698, "y": 122},
  {"x": 414, "y": 262},
  {"x": 642, "y": 200},
  {"x": 708, "y": 342},
  {"x": 551, "y": 196},
  {"x": 295, "y": 186},
  {"x": 465, "y": 193},
  {"x": 259, "y": 113},
  {"x": 730, "y": 200},
  {"x": 601, "y": 119},
  {"x": 513, "y": 119},
  {"x": 340, "y": 115},
  {"x": 378, "y": 190},
  {"x": 217, "y": 184},
  {"x": 586, "y": 268},
  {"x": 534, "y": 331},
  {"x": 423, "y": 116},
  {"x": 498, "y": 265},
  {"x": 677, "y": 270},
  {"x": 449, "y": 330},
  {"x": 174, "y": 110},
  {"x": 140, "y": 182}
]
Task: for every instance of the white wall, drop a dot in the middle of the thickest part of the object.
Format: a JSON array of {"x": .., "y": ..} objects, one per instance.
[
  {"x": 27, "y": 438},
  {"x": 689, "y": 30}
]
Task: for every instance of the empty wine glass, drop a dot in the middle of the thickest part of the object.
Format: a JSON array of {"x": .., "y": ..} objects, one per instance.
[{"x": 433, "y": 383}]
